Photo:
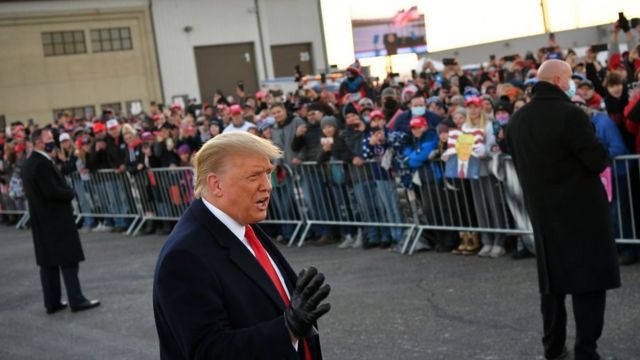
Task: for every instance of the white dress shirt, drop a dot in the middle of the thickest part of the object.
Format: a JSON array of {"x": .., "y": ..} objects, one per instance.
[{"x": 239, "y": 230}]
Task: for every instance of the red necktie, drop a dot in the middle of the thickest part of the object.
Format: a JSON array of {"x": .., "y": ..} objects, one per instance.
[
  {"x": 461, "y": 174},
  {"x": 263, "y": 259}
]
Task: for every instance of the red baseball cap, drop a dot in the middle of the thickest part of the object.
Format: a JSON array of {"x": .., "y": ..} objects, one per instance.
[
  {"x": 235, "y": 109},
  {"x": 474, "y": 100},
  {"x": 418, "y": 121},
  {"x": 98, "y": 127},
  {"x": 376, "y": 114}
]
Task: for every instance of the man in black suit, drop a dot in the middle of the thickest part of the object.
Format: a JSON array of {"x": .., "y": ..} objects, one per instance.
[
  {"x": 222, "y": 290},
  {"x": 55, "y": 236},
  {"x": 558, "y": 160}
]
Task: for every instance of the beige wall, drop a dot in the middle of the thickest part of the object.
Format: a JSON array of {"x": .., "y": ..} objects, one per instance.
[{"x": 32, "y": 85}]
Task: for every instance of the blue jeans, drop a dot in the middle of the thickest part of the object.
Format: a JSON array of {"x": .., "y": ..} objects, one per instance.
[
  {"x": 621, "y": 230},
  {"x": 317, "y": 204},
  {"x": 343, "y": 208},
  {"x": 283, "y": 199},
  {"x": 84, "y": 203},
  {"x": 370, "y": 211},
  {"x": 118, "y": 201},
  {"x": 388, "y": 198}
]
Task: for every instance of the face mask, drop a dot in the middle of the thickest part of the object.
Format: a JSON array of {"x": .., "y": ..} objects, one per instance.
[
  {"x": 390, "y": 104},
  {"x": 170, "y": 144},
  {"x": 353, "y": 126},
  {"x": 49, "y": 147},
  {"x": 418, "y": 110},
  {"x": 366, "y": 119},
  {"x": 572, "y": 89},
  {"x": 502, "y": 118}
]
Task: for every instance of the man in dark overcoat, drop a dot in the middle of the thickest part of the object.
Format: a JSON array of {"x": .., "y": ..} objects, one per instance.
[
  {"x": 55, "y": 236},
  {"x": 558, "y": 161},
  {"x": 221, "y": 289}
]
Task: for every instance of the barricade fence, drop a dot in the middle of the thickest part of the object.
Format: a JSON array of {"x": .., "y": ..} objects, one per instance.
[
  {"x": 13, "y": 203},
  {"x": 368, "y": 197}
]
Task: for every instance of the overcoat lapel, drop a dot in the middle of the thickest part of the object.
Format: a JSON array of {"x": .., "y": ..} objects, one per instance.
[{"x": 238, "y": 253}]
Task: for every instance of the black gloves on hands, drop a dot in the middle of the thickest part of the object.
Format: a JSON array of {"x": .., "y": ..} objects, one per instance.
[{"x": 303, "y": 311}]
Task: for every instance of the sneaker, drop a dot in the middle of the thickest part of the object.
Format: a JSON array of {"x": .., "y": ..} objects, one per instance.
[
  {"x": 99, "y": 228},
  {"x": 421, "y": 246},
  {"x": 368, "y": 244},
  {"x": 628, "y": 257},
  {"x": 118, "y": 229},
  {"x": 385, "y": 244},
  {"x": 325, "y": 240},
  {"x": 347, "y": 242},
  {"x": 485, "y": 251},
  {"x": 521, "y": 254},
  {"x": 397, "y": 248},
  {"x": 85, "y": 229},
  {"x": 357, "y": 243},
  {"x": 497, "y": 251}
]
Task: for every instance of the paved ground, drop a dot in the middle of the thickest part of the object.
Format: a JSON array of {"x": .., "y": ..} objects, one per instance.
[{"x": 385, "y": 306}]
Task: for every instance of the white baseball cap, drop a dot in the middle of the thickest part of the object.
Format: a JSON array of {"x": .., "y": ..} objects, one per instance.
[
  {"x": 112, "y": 123},
  {"x": 64, "y": 137}
]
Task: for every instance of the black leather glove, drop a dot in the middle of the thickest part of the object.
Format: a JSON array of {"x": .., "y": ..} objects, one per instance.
[{"x": 303, "y": 311}]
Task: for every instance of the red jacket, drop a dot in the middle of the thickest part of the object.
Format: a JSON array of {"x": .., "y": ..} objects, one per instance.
[
  {"x": 632, "y": 120},
  {"x": 595, "y": 101}
]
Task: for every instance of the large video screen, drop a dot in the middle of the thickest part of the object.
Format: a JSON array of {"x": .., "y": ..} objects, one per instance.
[{"x": 398, "y": 32}]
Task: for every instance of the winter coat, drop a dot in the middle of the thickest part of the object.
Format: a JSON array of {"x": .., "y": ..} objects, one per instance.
[
  {"x": 615, "y": 106},
  {"x": 283, "y": 135},
  {"x": 632, "y": 120},
  {"x": 558, "y": 160},
  {"x": 308, "y": 146},
  {"x": 53, "y": 226},
  {"x": 401, "y": 123}
]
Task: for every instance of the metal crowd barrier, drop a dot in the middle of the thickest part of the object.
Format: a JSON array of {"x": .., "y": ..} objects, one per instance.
[
  {"x": 284, "y": 206},
  {"x": 13, "y": 206},
  {"x": 338, "y": 194},
  {"x": 106, "y": 194},
  {"x": 164, "y": 194},
  {"x": 625, "y": 199},
  {"x": 484, "y": 204}
]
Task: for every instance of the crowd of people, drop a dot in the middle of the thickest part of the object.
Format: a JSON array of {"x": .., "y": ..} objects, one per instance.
[{"x": 404, "y": 124}]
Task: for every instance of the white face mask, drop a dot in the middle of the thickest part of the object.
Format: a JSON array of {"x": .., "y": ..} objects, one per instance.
[{"x": 572, "y": 89}]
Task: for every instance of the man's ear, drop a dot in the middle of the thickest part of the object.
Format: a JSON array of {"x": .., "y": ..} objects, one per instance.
[{"x": 214, "y": 185}]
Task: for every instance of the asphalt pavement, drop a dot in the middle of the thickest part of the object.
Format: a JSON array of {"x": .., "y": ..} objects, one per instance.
[{"x": 384, "y": 305}]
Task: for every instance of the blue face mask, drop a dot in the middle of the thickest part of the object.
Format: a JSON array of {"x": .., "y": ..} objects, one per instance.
[
  {"x": 572, "y": 89},
  {"x": 49, "y": 147},
  {"x": 418, "y": 110},
  {"x": 366, "y": 119}
]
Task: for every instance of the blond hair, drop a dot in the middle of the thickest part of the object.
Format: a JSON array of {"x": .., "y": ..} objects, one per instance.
[
  {"x": 128, "y": 129},
  {"x": 482, "y": 121},
  {"x": 212, "y": 156}
]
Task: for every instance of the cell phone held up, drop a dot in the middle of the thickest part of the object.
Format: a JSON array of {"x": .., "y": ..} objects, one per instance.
[
  {"x": 623, "y": 22},
  {"x": 598, "y": 48},
  {"x": 326, "y": 141},
  {"x": 448, "y": 61}
]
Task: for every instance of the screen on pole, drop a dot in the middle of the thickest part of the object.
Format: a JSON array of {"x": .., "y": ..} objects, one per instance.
[{"x": 399, "y": 32}]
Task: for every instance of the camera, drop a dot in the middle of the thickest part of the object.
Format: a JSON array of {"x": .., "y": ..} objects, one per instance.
[
  {"x": 623, "y": 22},
  {"x": 448, "y": 61},
  {"x": 598, "y": 48}
]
